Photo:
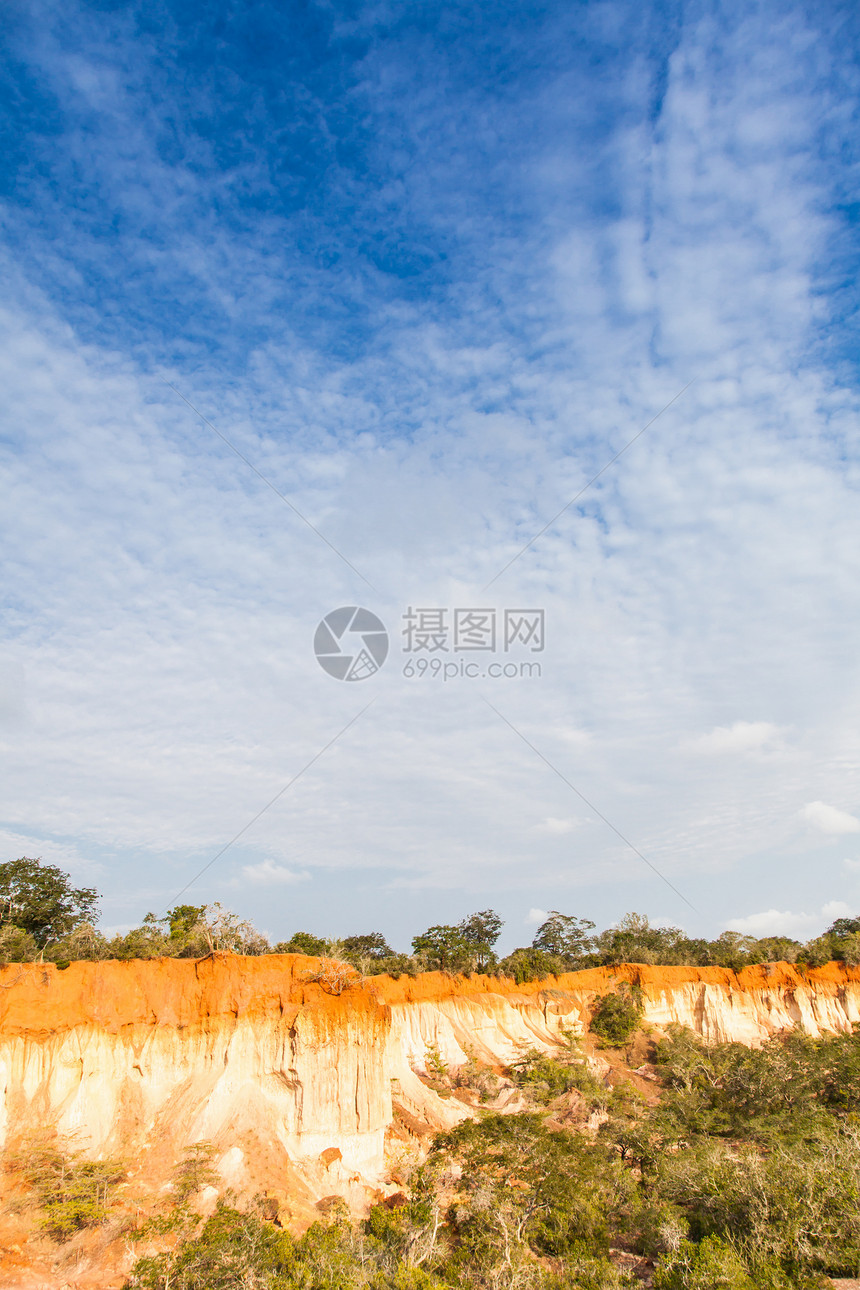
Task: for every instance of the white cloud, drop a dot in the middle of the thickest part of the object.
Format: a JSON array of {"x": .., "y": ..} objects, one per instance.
[
  {"x": 829, "y": 819},
  {"x": 160, "y": 686},
  {"x": 269, "y": 874},
  {"x": 852, "y": 864},
  {"x": 535, "y": 917},
  {"x": 775, "y": 922},
  {"x": 557, "y": 826},
  {"x": 743, "y": 736}
]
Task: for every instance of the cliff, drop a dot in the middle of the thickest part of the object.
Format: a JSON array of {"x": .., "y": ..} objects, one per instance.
[
  {"x": 298, "y": 1089},
  {"x": 305, "y": 1094}
]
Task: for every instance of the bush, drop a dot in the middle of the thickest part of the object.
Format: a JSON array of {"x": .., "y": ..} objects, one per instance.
[
  {"x": 334, "y": 976},
  {"x": 71, "y": 1192},
  {"x": 617, "y": 1016},
  {"x": 547, "y": 1078},
  {"x": 17, "y": 945},
  {"x": 707, "y": 1266},
  {"x": 233, "y": 1250},
  {"x": 302, "y": 943},
  {"x": 81, "y": 945},
  {"x": 531, "y": 965}
]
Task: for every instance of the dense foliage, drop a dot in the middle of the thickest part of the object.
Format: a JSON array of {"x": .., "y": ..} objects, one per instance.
[
  {"x": 617, "y": 1015},
  {"x": 744, "y": 1175},
  {"x": 39, "y": 901}
]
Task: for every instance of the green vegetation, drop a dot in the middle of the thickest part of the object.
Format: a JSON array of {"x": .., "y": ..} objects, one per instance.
[
  {"x": 546, "y": 1077},
  {"x": 617, "y": 1016},
  {"x": 466, "y": 947},
  {"x": 741, "y": 1170},
  {"x": 743, "y": 1175},
  {"x": 43, "y": 916},
  {"x": 39, "y": 901},
  {"x": 69, "y": 1191}
]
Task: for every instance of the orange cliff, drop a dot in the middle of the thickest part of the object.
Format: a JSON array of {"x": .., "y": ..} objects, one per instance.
[{"x": 297, "y": 1089}]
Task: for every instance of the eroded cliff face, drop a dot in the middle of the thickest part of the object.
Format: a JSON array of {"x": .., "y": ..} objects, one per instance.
[{"x": 299, "y": 1090}]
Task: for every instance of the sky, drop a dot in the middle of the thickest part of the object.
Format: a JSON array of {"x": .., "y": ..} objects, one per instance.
[{"x": 320, "y": 305}]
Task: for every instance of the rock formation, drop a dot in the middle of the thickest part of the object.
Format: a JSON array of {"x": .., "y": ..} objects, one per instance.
[{"x": 298, "y": 1089}]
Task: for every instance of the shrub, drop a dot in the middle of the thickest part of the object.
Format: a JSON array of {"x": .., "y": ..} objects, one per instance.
[
  {"x": 547, "y": 1077},
  {"x": 531, "y": 965},
  {"x": 707, "y": 1266},
  {"x": 16, "y": 945},
  {"x": 194, "y": 1172},
  {"x": 82, "y": 944},
  {"x": 435, "y": 1063},
  {"x": 333, "y": 975},
  {"x": 302, "y": 943},
  {"x": 233, "y": 1250},
  {"x": 616, "y": 1016},
  {"x": 480, "y": 1079},
  {"x": 71, "y": 1192}
]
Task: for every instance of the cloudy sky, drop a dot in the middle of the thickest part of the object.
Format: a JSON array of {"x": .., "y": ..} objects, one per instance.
[{"x": 421, "y": 272}]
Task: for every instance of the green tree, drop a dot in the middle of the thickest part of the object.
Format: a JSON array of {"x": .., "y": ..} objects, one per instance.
[
  {"x": 480, "y": 931},
  {"x": 149, "y": 941},
  {"x": 82, "y": 944},
  {"x": 71, "y": 1191},
  {"x": 303, "y": 943},
  {"x": 524, "y": 1190},
  {"x": 565, "y": 936},
  {"x": 844, "y": 927},
  {"x": 444, "y": 947},
  {"x": 182, "y": 920},
  {"x": 634, "y": 940},
  {"x": 732, "y": 950},
  {"x": 529, "y": 964},
  {"x": 774, "y": 949},
  {"x": 40, "y": 899},
  {"x": 465, "y": 946},
  {"x": 371, "y": 946}
]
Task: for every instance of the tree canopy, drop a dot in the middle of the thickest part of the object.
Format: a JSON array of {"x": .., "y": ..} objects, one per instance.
[{"x": 40, "y": 899}]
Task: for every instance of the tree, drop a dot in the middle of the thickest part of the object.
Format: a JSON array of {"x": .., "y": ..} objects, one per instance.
[
  {"x": 775, "y": 949},
  {"x": 844, "y": 927},
  {"x": 223, "y": 930},
  {"x": 371, "y": 946},
  {"x": 459, "y": 948},
  {"x": 732, "y": 950},
  {"x": 444, "y": 947},
  {"x": 40, "y": 899},
  {"x": 182, "y": 919},
  {"x": 634, "y": 940},
  {"x": 303, "y": 943},
  {"x": 564, "y": 935},
  {"x": 480, "y": 932}
]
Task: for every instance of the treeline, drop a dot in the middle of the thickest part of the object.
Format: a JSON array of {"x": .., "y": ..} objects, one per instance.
[{"x": 42, "y": 916}]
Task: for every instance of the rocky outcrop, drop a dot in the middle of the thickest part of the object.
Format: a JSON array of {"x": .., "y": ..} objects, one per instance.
[{"x": 297, "y": 1088}]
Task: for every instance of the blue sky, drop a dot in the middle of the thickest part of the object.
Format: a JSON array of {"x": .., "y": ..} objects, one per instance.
[{"x": 429, "y": 269}]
